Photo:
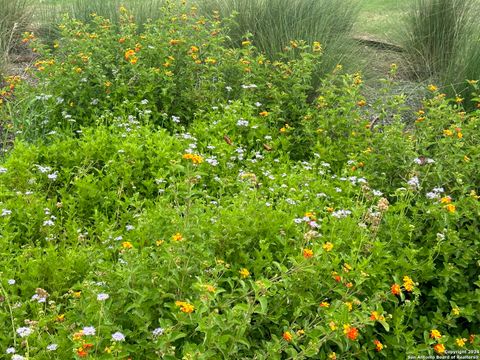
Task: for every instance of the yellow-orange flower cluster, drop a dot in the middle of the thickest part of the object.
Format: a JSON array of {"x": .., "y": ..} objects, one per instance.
[
  {"x": 350, "y": 332},
  {"x": 27, "y": 36},
  {"x": 378, "y": 345},
  {"x": 408, "y": 284},
  {"x": 196, "y": 159},
  {"x": 450, "y": 208},
  {"x": 177, "y": 237},
  {"x": 435, "y": 334},
  {"x": 374, "y": 315},
  {"x": 185, "y": 306},
  {"x": 11, "y": 82},
  {"x": 127, "y": 245},
  {"x": 131, "y": 56},
  {"x": 287, "y": 336},
  {"x": 439, "y": 348},
  {"x": 307, "y": 253},
  {"x": 317, "y": 47},
  {"x": 244, "y": 273},
  {"x": 83, "y": 349},
  {"x": 328, "y": 246},
  {"x": 395, "y": 289}
]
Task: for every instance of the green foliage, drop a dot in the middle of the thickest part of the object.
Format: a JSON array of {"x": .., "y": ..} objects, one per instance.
[
  {"x": 267, "y": 221},
  {"x": 164, "y": 75}
]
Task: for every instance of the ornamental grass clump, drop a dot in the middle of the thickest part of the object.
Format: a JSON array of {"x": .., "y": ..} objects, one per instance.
[
  {"x": 274, "y": 25},
  {"x": 50, "y": 15},
  {"x": 14, "y": 16},
  {"x": 441, "y": 43}
]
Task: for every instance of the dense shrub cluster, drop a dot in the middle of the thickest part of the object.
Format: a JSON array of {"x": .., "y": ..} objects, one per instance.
[{"x": 170, "y": 197}]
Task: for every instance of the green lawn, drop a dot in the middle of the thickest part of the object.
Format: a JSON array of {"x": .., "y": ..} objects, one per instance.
[{"x": 379, "y": 18}]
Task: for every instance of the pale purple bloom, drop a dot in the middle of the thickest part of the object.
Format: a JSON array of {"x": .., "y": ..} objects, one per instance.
[
  {"x": 48, "y": 223},
  {"x": 118, "y": 336},
  {"x": 432, "y": 195},
  {"x": 44, "y": 169},
  {"x": 414, "y": 183},
  {"x": 38, "y": 298},
  {"x": 313, "y": 224},
  {"x": 158, "y": 331},
  {"x": 52, "y": 347},
  {"x": 102, "y": 297},
  {"x": 88, "y": 331},
  {"x": 6, "y": 212},
  {"x": 212, "y": 161},
  {"x": 24, "y": 331},
  {"x": 339, "y": 214}
]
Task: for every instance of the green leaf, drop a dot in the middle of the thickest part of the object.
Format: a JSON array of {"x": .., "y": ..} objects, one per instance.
[{"x": 385, "y": 325}]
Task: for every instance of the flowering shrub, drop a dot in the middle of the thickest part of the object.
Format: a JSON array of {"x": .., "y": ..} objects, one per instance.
[
  {"x": 261, "y": 221},
  {"x": 164, "y": 74}
]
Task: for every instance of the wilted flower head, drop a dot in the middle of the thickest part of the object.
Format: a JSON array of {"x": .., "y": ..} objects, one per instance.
[
  {"x": 40, "y": 295},
  {"x": 310, "y": 235},
  {"x": 383, "y": 204}
]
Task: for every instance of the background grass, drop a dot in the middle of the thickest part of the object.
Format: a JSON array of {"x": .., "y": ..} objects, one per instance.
[
  {"x": 274, "y": 23},
  {"x": 14, "y": 17},
  {"x": 441, "y": 43},
  {"x": 380, "y": 19},
  {"x": 440, "y": 46}
]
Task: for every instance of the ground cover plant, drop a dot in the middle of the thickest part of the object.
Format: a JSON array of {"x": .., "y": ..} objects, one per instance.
[{"x": 168, "y": 196}]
